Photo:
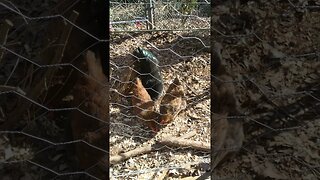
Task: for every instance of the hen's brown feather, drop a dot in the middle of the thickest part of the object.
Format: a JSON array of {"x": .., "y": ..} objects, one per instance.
[
  {"x": 90, "y": 95},
  {"x": 172, "y": 102},
  {"x": 143, "y": 106}
]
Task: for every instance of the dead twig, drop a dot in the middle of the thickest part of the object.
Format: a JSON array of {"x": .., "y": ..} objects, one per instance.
[
  {"x": 174, "y": 141},
  {"x": 4, "y": 88},
  {"x": 4, "y": 34},
  {"x": 188, "y": 135},
  {"x": 163, "y": 174},
  {"x": 123, "y": 156},
  {"x": 145, "y": 149},
  {"x": 190, "y": 178}
]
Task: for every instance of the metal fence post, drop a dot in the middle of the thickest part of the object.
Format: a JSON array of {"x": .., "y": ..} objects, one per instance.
[{"x": 150, "y": 9}]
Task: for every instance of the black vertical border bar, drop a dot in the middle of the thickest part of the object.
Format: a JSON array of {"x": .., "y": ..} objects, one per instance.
[
  {"x": 104, "y": 48},
  {"x": 108, "y": 75},
  {"x": 211, "y": 89}
]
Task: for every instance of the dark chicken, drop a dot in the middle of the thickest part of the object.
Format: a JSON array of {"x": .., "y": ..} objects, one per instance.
[
  {"x": 172, "y": 102},
  {"x": 143, "y": 106},
  {"x": 147, "y": 66}
]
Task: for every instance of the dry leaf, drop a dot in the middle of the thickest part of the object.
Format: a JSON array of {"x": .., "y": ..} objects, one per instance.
[{"x": 267, "y": 169}]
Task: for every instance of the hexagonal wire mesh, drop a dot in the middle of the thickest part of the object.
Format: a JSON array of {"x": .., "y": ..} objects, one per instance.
[
  {"x": 46, "y": 86},
  {"x": 182, "y": 49},
  {"x": 176, "y": 51},
  {"x": 269, "y": 51},
  {"x": 165, "y": 15}
]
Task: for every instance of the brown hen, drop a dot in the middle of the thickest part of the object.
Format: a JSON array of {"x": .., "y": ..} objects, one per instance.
[
  {"x": 90, "y": 96},
  {"x": 172, "y": 102},
  {"x": 227, "y": 137},
  {"x": 143, "y": 106}
]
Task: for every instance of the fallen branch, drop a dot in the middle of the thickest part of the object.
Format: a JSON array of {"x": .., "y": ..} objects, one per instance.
[
  {"x": 185, "y": 136},
  {"x": 123, "y": 156},
  {"x": 188, "y": 135},
  {"x": 174, "y": 141},
  {"x": 144, "y": 150}
]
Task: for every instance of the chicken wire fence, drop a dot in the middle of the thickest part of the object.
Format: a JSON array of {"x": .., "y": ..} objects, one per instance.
[
  {"x": 136, "y": 152},
  {"x": 159, "y": 15},
  {"x": 266, "y": 90},
  {"x": 271, "y": 52},
  {"x": 50, "y": 79}
]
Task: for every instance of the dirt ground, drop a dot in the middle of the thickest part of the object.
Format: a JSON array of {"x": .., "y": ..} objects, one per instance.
[
  {"x": 271, "y": 48},
  {"x": 30, "y": 128},
  {"x": 183, "y": 55}
]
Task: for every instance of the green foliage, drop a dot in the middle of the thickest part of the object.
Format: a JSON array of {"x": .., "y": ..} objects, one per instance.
[{"x": 187, "y": 6}]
